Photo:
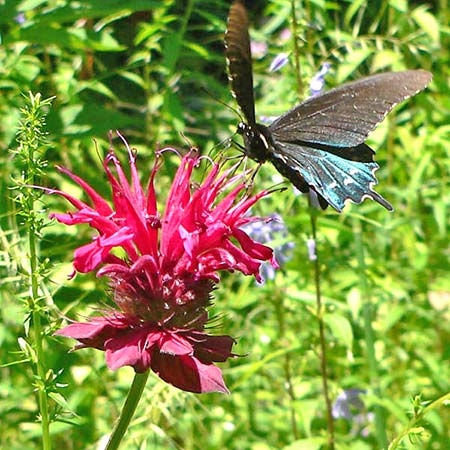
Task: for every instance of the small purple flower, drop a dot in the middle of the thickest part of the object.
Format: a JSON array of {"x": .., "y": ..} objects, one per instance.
[
  {"x": 271, "y": 230},
  {"x": 285, "y": 34},
  {"x": 317, "y": 82},
  {"x": 20, "y": 18},
  {"x": 258, "y": 49},
  {"x": 350, "y": 407},
  {"x": 278, "y": 62},
  {"x": 267, "y": 119},
  {"x": 311, "y": 244},
  {"x": 348, "y": 404}
]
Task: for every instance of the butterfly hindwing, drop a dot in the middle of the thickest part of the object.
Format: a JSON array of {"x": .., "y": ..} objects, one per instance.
[{"x": 334, "y": 178}]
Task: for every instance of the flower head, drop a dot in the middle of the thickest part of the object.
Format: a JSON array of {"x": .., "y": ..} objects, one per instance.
[{"x": 163, "y": 285}]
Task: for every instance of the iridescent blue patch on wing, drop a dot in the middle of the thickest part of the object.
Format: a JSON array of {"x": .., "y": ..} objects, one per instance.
[{"x": 337, "y": 179}]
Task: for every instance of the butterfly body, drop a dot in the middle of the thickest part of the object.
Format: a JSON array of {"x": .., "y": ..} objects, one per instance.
[
  {"x": 319, "y": 144},
  {"x": 258, "y": 141}
]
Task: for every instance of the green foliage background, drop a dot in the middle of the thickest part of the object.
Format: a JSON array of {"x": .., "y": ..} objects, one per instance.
[{"x": 144, "y": 67}]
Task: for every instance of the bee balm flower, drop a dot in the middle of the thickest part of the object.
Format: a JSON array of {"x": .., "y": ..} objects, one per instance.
[{"x": 162, "y": 286}]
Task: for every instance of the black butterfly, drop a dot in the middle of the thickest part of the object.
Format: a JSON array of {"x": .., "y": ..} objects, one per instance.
[{"x": 319, "y": 144}]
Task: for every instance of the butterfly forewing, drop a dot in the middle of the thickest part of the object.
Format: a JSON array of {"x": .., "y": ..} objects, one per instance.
[
  {"x": 345, "y": 116},
  {"x": 237, "y": 51}
]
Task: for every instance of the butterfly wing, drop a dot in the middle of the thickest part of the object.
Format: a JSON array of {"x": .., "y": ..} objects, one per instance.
[
  {"x": 322, "y": 139},
  {"x": 344, "y": 116},
  {"x": 334, "y": 178},
  {"x": 237, "y": 51}
]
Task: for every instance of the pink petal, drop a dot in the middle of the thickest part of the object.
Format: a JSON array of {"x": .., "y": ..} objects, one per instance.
[
  {"x": 174, "y": 344},
  {"x": 132, "y": 349},
  {"x": 95, "y": 332},
  {"x": 89, "y": 256},
  {"x": 251, "y": 247},
  {"x": 214, "y": 348},
  {"x": 99, "y": 202},
  {"x": 188, "y": 373}
]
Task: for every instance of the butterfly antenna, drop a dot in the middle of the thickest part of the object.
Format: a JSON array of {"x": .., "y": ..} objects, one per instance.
[
  {"x": 223, "y": 103},
  {"x": 225, "y": 145},
  {"x": 192, "y": 148}
]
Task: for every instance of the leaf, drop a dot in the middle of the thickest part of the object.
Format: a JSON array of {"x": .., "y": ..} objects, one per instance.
[
  {"x": 133, "y": 77},
  {"x": 427, "y": 22},
  {"x": 340, "y": 328},
  {"x": 198, "y": 49},
  {"x": 399, "y": 5},
  {"x": 59, "y": 399},
  {"x": 354, "y": 302},
  {"x": 352, "y": 10},
  {"x": 171, "y": 51},
  {"x": 441, "y": 216},
  {"x": 174, "y": 108},
  {"x": 90, "y": 9},
  {"x": 353, "y": 60},
  {"x": 395, "y": 314},
  {"x": 384, "y": 59},
  {"x": 314, "y": 443},
  {"x": 97, "y": 86}
]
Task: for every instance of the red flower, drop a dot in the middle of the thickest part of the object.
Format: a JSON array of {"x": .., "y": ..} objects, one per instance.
[{"x": 163, "y": 286}]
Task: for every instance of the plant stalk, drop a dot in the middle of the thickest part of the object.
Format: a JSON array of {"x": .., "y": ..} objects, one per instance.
[
  {"x": 322, "y": 338},
  {"x": 298, "y": 70},
  {"x": 134, "y": 395},
  {"x": 369, "y": 336},
  {"x": 279, "y": 308},
  {"x": 444, "y": 400},
  {"x": 315, "y": 260},
  {"x": 38, "y": 336},
  {"x": 30, "y": 139}
]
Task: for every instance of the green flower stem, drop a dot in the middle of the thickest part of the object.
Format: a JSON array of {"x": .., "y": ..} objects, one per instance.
[
  {"x": 369, "y": 336},
  {"x": 312, "y": 211},
  {"x": 170, "y": 61},
  {"x": 287, "y": 366},
  {"x": 134, "y": 395},
  {"x": 172, "y": 58},
  {"x": 38, "y": 337},
  {"x": 322, "y": 338},
  {"x": 445, "y": 399},
  {"x": 30, "y": 139},
  {"x": 295, "y": 35}
]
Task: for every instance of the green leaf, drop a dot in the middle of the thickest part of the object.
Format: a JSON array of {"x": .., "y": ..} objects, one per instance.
[
  {"x": 341, "y": 329},
  {"x": 59, "y": 399},
  {"x": 352, "y": 10},
  {"x": 399, "y": 5},
  {"x": 90, "y": 9},
  {"x": 313, "y": 443},
  {"x": 351, "y": 63},
  {"x": 427, "y": 22},
  {"x": 384, "y": 59},
  {"x": 440, "y": 208}
]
